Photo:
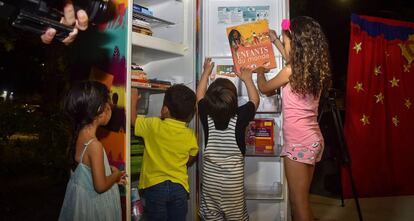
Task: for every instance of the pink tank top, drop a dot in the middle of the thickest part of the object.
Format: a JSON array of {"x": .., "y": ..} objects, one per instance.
[{"x": 300, "y": 124}]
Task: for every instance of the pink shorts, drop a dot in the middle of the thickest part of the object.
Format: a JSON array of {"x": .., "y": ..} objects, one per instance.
[{"x": 309, "y": 154}]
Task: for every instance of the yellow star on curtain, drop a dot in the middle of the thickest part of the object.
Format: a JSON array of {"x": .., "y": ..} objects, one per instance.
[
  {"x": 379, "y": 98},
  {"x": 377, "y": 70},
  {"x": 358, "y": 47},
  {"x": 407, "y": 48},
  {"x": 358, "y": 87},
  {"x": 407, "y": 103},
  {"x": 394, "y": 82},
  {"x": 407, "y": 67},
  {"x": 365, "y": 120},
  {"x": 395, "y": 120}
]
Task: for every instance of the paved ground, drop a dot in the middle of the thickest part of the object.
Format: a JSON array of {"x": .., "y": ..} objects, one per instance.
[{"x": 399, "y": 208}]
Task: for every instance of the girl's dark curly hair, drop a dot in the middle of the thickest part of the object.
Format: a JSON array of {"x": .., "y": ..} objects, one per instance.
[
  {"x": 83, "y": 103},
  {"x": 309, "y": 57}
]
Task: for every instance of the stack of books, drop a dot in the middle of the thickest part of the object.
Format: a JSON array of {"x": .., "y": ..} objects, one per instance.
[
  {"x": 139, "y": 77},
  {"x": 160, "y": 84},
  {"x": 138, "y": 24},
  {"x": 142, "y": 27}
]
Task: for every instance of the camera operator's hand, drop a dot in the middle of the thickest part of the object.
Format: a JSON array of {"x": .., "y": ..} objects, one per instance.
[{"x": 79, "y": 21}]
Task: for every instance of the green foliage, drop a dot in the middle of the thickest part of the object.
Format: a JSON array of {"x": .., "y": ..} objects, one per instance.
[
  {"x": 42, "y": 150},
  {"x": 12, "y": 116},
  {"x": 53, "y": 140},
  {"x": 33, "y": 141}
]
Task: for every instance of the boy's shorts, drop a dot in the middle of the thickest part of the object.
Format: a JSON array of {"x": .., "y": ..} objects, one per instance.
[{"x": 309, "y": 154}]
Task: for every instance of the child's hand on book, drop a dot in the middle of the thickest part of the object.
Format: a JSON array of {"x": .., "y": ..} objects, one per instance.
[
  {"x": 208, "y": 66},
  {"x": 261, "y": 70},
  {"x": 245, "y": 74}
]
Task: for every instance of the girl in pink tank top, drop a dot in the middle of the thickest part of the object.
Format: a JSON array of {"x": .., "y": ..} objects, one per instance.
[
  {"x": 302, "y": 138},
  {"x": 306, "y": 73}
]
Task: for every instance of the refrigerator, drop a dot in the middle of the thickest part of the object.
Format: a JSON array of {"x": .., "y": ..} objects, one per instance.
[{"x": 265, "y": 183}]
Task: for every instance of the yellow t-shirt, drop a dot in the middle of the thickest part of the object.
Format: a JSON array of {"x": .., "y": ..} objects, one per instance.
[{"x": 168, "y": 145}]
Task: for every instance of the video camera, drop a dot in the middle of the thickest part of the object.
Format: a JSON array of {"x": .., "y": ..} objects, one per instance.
[{"x": 38, "y": 15}]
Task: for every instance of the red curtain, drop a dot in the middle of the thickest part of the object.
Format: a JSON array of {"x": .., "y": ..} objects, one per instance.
[{"x": 379, "y": 117}]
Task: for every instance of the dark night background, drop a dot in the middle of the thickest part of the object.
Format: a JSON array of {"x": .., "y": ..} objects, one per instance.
[{"x": 33, "y": 169}]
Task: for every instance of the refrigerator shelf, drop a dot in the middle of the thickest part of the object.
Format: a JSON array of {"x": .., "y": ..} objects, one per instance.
[
  {"x": 148, "y": 48},
  {"x": 151, "y": 90},
  {"x": 252, "y": 152},
  {"x": 264, "y": 192},
  {"x": 152, "y": 20}
]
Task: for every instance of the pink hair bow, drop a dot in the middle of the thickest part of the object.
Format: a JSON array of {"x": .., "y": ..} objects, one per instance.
[{"x": 286, "y": 24}]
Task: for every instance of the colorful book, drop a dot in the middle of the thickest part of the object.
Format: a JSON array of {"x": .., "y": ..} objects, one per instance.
[
  {"x": 251, "y": 46},
  {"x": 260, "y": 134},
  {"x": 141, "y": 9},
  {"x": 225, "y": 71}
]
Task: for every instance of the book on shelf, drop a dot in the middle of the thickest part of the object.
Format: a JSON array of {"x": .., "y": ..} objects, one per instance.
[
  {"x": 161, "y": 84},
  {"x": 225, "y": 71},
  {"x": 139, "y": 77},
  {"x": 140, "y": 23},
  {"x": 134, "y": 66},
  {"x": 140, "y": 84},
  {"x": 250, "y": 45},
  {"x": 141, "y": 9},
  {"x": 260, "y": 135},
  {"x": 137, "y": 72},
  {"x": 141, "y": 30},
  {"x": 141, "y": 26}
]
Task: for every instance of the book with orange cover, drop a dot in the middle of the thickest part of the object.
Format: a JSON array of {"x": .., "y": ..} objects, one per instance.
[
  {"x": 251, "y": 46},
  {"x": 261, "y": 134}
]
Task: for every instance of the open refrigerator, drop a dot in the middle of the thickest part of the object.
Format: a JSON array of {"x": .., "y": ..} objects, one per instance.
[{"x": 174, "y": 38}]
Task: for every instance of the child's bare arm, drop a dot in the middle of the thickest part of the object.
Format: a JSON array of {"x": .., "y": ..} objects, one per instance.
[
  {"x": 202, "y": 84},
  {"x": 134, "y": 101},
  {"x": 246, "y": 76},
  {"x": 269, "y": 86},
  {"x": 191, "y": 160},
  {"x": 101, "y": 182},
  {"x": 286, "y": 43},
  {"x": 276, "y": 41}
]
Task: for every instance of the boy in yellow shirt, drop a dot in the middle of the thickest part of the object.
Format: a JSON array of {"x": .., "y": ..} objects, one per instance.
[{"x": 169, "y": 147}]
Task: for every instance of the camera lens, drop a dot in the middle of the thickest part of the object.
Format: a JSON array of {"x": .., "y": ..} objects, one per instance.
[{"x": 98, "y": 10}]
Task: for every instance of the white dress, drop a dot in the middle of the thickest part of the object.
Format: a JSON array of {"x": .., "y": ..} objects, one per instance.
[{"x": 82, "y": 202}]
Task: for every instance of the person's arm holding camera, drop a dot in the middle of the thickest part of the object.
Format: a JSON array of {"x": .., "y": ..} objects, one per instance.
[{"x": 79, "y": 20}]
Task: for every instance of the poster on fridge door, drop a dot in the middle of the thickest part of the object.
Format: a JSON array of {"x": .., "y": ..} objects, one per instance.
[{"x": 225, "y": 13}]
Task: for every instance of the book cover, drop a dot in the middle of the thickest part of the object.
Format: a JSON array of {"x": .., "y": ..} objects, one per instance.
[
  {"x": 264, "y": 134},
  {"x": 251, "y": 46},
  {"x": 225, "y": 71}
]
